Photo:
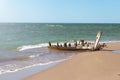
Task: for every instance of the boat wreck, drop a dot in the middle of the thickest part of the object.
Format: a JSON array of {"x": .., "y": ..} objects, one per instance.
[{"x": 79, "y": 45}]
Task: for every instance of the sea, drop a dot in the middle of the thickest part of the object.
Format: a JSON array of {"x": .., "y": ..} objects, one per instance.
[{"x": 24, "y": 45}]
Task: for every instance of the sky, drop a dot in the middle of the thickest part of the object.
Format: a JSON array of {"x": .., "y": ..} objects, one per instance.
[{"x": 60, "y": 11}]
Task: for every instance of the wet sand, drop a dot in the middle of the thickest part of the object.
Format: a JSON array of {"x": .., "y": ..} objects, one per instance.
[{"x": 96, "y": 65}]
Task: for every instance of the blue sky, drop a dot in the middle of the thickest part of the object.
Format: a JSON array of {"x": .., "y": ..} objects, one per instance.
[{"x": 60, "y": 11}]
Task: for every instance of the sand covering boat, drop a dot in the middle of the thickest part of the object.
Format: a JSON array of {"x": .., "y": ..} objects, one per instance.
[{"x": 79, "y": 45}]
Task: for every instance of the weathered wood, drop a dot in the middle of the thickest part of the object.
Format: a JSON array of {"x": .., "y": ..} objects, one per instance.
[
  {"x": 82, "y": 42},
  {"x": 97, "y": 39},
  {"x": 80, "y": 46},
  {"x": 49, "y": 43}
]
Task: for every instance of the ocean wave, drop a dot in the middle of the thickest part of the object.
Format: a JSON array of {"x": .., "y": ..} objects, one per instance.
[
  {"x": 22, "y": 58},
  {"x": 27, "y": 61},
  {"x": 33, "y": 56},
  {"x": 54, "y": 25},
  {"x": 109, "y": 41},
  {"x": 13, "y": 67},
  {"x": 25, "y": 47}
]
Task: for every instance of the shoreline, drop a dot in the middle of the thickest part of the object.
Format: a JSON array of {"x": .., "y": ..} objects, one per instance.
[
  {"x": 42, "y": 45},
  {"x": 97, "y": 65},
  {"x": 26, "y": 72}
]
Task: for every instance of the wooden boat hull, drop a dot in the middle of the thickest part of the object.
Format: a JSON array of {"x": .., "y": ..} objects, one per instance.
[
  {"x": 82, "y": 46},
  {"x": 67, "y": 48}
]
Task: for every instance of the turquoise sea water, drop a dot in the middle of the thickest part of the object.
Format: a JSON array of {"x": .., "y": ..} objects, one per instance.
[
  {"x": 21, "y": 43},
  {"x": 14, "y": 35}
]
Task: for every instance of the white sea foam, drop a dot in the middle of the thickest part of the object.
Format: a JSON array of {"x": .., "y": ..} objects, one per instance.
[
  {"x": 25, "y": 47},
  {"x": 33, "y": 56},
  {"x": 3, "y": 71},
  {"x": 110, "y": 41},
  {"x": 104, "y": 41}
]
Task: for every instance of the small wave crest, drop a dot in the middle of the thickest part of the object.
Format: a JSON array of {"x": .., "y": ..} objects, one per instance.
[
  {"x": 25, "y": 47},
  {"x": 33, "y": 56},
  {"x": 54, "y": 25},
  {"x": 13, "y": 67},
  {"x": 110, "y": 41}
]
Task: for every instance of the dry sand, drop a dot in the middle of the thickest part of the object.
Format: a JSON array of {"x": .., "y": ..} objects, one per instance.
[{"x": 96, "y": 65}]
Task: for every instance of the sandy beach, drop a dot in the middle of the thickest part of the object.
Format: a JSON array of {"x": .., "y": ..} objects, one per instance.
[{"x": 96, "y": 65}]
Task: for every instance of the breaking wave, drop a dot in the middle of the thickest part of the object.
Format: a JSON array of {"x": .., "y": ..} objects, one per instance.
[
  {"x": 25, "y": 47},
  {"x": 13, "y": 67}
]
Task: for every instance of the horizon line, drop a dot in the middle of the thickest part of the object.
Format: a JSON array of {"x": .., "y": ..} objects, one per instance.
[{"x": 66, "y": 22}]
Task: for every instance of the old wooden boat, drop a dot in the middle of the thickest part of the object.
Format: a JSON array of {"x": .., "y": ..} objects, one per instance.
[{"x": 79, "y": 45}]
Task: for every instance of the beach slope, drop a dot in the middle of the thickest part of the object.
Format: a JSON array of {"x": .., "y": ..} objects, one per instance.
[{"x": 96, "y": 65}]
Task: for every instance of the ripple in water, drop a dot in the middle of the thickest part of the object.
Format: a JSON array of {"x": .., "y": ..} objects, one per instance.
[{"x": 31, "y": 57}]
